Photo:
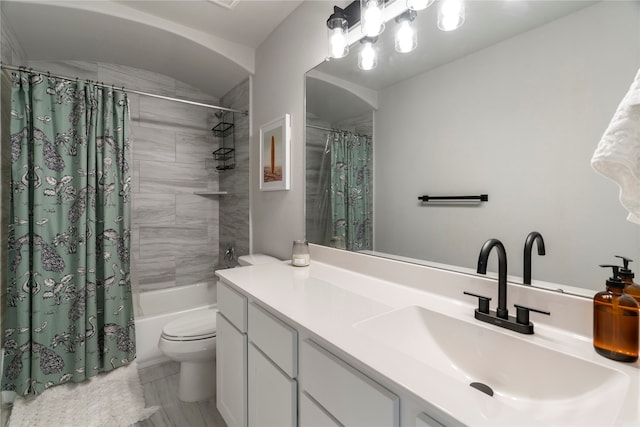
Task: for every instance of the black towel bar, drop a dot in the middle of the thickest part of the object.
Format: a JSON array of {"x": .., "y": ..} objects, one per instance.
[{"x": 480, "y": 198}]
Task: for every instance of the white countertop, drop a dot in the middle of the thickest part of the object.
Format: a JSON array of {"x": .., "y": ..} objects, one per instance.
[{"x": 326, "y": 301}]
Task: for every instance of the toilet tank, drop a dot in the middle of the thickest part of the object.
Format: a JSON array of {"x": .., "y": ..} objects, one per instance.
[{"x": 256, "y": 259}]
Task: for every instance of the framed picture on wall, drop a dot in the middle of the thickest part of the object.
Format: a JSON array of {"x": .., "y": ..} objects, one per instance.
[{"x": 275, "y": 155}]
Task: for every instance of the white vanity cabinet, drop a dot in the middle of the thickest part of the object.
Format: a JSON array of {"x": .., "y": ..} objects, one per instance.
[
  {"x": 231, "y": 356},
  {"x": 271, "y": 373},
  {"x": 273, "y": 366}
]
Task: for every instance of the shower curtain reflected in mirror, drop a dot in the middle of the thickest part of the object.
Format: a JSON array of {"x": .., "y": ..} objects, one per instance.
[
  {"x": 69, "y": 314},
  {"x": 345, "y": 217}
]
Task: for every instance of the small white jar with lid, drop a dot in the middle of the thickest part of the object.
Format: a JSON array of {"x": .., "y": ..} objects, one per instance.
[{"x": 300, "y": 253}]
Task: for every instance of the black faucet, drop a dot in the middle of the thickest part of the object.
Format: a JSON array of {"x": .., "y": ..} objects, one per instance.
[
  {"x": 500, "y": 317},
  {"x": 534, "y": 236},
  {"x": 502, "y": 311}
]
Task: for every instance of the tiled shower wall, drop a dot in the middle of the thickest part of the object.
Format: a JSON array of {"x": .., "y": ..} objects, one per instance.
[
  {"x": 234, "y": 207},
  {"x": 175, "y": 232}
]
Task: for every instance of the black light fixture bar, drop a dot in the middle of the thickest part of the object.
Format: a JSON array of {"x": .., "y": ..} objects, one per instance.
[{"x": 351, "y": 13}]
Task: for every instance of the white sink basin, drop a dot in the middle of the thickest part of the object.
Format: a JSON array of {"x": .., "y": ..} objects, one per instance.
[{"x": 549, "y": 385}]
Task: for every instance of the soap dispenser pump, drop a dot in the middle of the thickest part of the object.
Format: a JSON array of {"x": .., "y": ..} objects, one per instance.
[
  {"x": 626, "y": 275},
  {"x": 615, "y": 321}
]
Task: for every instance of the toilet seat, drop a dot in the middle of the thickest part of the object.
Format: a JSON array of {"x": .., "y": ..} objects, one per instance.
[{"x": 198, "y": 325}]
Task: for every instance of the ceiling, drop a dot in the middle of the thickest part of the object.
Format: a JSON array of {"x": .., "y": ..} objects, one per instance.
[
  {"x": 199, "y": 42},
  {"x": 248, "y": 23}
]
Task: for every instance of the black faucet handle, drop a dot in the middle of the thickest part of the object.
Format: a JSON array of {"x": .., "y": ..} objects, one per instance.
[
  {"x": 483, "y": 302},
  {"x": 522, "y": 313}
]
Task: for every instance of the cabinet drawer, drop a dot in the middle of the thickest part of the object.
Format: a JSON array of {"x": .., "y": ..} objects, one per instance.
[
  {"x": 277, "y": 340},
  {"x": 347, "y": 394},
  {"x": 233, "y": 305}
]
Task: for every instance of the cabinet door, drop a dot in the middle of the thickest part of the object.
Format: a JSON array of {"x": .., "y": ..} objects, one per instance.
[
  {"x": 231, "y": 373},
  {"x": 272, "y": 393},
  {"x": 312, "y": 415},
  {"x": 424, "y": 420}
]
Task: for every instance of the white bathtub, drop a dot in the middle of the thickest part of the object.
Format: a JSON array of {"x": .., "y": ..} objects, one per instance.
[{"x": 162, "y": 306}]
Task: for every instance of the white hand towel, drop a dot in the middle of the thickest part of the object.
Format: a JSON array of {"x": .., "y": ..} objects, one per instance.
[{"x": 618, "y": 154}]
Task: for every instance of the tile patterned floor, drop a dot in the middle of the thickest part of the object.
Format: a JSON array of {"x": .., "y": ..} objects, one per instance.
[{"x": 160, "y": 383}]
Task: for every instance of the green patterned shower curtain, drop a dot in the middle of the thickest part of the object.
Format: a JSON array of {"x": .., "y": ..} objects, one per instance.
[
  {"x": 69, "y": 313},
  {"x": 351, "y": 157}
]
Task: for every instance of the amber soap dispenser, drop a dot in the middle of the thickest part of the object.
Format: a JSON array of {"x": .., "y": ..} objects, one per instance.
[
  {"x": 626, "y": 275},
  {"x": 615, "y": 321}
]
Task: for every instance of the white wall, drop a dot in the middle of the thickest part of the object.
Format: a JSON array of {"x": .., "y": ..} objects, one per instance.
[
  {"x": 519, "y": 120},
  {"x": 295, "y": 47}
]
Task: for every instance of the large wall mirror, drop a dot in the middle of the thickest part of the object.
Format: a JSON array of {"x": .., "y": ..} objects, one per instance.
[{"x": 511, "y": 105}]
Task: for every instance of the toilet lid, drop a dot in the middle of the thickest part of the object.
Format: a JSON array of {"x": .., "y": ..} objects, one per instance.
[{"x": 197, "y": 325}]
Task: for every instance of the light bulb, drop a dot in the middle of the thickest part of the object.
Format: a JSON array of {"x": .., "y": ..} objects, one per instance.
[
  {"x": 367, "y": 58},
  {"x": 337, "y": 28},
  {"x": 450, "y": 14},
  {"x": 338, "y": 46},
  {"x": 419, "y": 4},
  {"x": 406, "y": 37},
  {"x": 371, "y": 21}
]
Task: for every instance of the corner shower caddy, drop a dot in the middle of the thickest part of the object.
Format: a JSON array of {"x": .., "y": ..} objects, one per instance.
[{"x": 226, "y": 154}]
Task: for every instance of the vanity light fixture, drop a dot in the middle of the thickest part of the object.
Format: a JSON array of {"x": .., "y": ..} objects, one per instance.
[
  {"x": 337, "y": 33},
  {"x": 419, "y": 4},
  {"x": 367, "y": 57},
  {"x": 406, "y": 36},
  {"x": 371, "y": 17},
  {"x": 451, "y": 14}
]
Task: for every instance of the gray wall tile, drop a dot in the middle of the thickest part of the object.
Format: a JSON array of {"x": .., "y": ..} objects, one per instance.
[
  {"x": 234, "y": 208},
  {"x": 153, "y": 144},
  {"x": 156, "y": 273},
  {"x": 157, "y": 242},
  {"x": 195, "y": 210},
  {"x": 191, "y": 93},
  {"x": 134, "y": 78},
  {"x": 160, "y": 177},
  {"x": 73, "y": 69},
  {"x": 192, "y": 148},
  {"x": 154, "y": 209},
  {"x": 163, "y": 114},
  {"x": 194, "y": 269}
]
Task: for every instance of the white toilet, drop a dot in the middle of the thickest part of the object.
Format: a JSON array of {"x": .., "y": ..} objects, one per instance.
[{"x": 191, "y": 340}]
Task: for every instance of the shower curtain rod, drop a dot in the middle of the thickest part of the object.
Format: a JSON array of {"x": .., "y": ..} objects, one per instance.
[
  {"x": 336, "y": 130},
  {"x": 123, "y": 89}
]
